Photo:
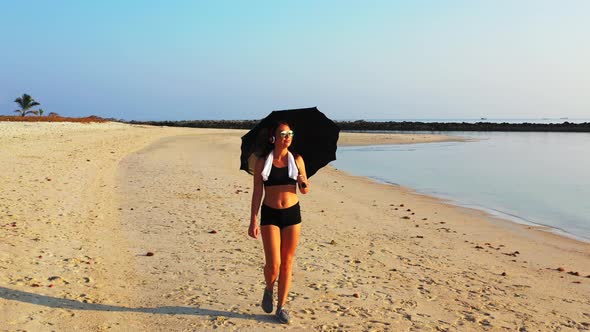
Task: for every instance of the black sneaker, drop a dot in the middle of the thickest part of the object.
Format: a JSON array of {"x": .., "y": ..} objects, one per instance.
[
  {"x": 283, "y": 316},
  {"x": 267, "y": 301}
]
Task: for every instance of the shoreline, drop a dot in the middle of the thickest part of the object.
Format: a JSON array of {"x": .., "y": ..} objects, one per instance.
[
  {"x": 493, "y": 214},
  {"x": 97, "y": 198},
  {"x": 372, "y": 139}
]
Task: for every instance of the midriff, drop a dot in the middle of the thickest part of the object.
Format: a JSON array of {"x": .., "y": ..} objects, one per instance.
[{"x": 280, "y": 197}]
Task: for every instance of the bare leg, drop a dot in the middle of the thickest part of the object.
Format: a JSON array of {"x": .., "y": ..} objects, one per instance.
[
  {"x": 271, "y": 240},
  {"x": 289, "y": 240}
]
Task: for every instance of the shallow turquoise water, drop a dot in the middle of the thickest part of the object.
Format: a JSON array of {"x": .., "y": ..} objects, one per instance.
[{"x": 539, "y": 178}]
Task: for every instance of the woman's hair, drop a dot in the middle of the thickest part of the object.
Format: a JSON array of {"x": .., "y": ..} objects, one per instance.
[{"x": 268, "y": 146}]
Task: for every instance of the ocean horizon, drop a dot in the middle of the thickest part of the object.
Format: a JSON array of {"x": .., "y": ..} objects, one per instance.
[{"x": 476, "y": 120}]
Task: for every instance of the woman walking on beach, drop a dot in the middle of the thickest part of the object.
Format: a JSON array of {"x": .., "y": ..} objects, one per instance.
[{"x": 277, "y": 175}]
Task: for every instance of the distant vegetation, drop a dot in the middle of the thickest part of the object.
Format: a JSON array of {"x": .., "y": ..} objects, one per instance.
[
  {"x": 26, "y": 102},
  {"x": 362, "y": 125},
  {"x": 52, "y": 118}
]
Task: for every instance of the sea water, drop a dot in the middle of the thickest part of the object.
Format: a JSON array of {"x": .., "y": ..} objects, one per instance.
[{"x": 535, "y": 178}]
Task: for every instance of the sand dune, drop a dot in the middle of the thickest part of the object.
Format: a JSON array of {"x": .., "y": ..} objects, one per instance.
[{"x": 82, "y": 205}]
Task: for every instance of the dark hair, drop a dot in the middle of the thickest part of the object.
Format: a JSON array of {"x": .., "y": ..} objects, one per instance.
[{"x": 268, "y": 146}]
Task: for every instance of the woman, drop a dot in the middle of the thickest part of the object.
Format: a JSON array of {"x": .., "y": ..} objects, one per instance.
[{"x": 278, "y": 174}]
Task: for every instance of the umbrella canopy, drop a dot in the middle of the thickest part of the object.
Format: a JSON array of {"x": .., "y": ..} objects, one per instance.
[{"x": 315, "y": 138}]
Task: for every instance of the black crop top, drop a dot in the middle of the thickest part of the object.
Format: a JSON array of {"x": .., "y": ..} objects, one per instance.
[{"x": 279, "y": 176}]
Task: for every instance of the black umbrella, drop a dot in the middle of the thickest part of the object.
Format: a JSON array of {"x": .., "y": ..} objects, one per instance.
[{"x": 315, "y": 138}]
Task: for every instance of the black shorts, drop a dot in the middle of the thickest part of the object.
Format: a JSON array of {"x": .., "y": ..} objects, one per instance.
[{"x": 280, "y": 217}]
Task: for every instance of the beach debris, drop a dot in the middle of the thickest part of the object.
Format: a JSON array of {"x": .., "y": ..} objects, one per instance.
[
  {"x": 577, "y": 274},
  {"x": 322, "y": 211},
  {"x": 357, "y": 295},
  {"x": 54, "y": 278},
  {"x": 50, "y": 285},
  {"x": 405, "y": 217},
  {"x": 341, "y": 201},
  {"x": 576, "y": 282},
  {"x": 401, "y": 205},
  {"x": 419, "y": 236},
  {"x": 332, "y": 242},
  {"x": 40, "y": 256},
  {"x": 35, "y": 285},
  {"x": 503, "y": 274},
  {"x": 588, "y": 276},
  {"x": 409, "y": 210},
  {"x": 560, "y": 269},
  {"x": 513, "y": 254},
  {"x": 478, "y": 247},
  {"x": 396, "y": 209},
  {"x": 212, "y": 232},
  {"x": 424, "y": 218},
  {"x": 48, "y": 179},
  {"x": 87, "y": 159},
  {"x": 149, "y": 254}
]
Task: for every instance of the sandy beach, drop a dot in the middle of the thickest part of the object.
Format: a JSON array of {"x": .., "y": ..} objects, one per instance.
[{"x": 114, "y": 227}]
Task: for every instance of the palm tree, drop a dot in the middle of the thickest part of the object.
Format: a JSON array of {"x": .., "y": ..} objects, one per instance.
[
  {"x": 41, "y": 111},
  {"x": 26, "y": 102}
]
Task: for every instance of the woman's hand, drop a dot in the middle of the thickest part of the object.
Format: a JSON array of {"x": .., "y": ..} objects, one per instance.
[
  {"x": 253, "y": 229},
  {"x": 303, "y": 184}
]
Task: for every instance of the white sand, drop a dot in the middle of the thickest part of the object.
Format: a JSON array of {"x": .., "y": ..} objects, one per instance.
[{"x": 89, "y": 201}]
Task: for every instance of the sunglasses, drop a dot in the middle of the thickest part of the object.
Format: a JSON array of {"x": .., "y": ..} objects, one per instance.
[{"x": 286, "y": 133}]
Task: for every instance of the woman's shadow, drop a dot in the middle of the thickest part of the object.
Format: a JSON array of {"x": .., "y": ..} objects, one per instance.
[{"x": 55, "y": 302}]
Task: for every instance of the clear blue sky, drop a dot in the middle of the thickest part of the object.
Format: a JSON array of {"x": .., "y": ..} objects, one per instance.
[{"x": 172, "y": 60}]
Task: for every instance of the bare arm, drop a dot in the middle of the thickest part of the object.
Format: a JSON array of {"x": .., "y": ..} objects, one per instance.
[
  {"x": 256, "y": 198},
  {"x": 302, "y": 179}
]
